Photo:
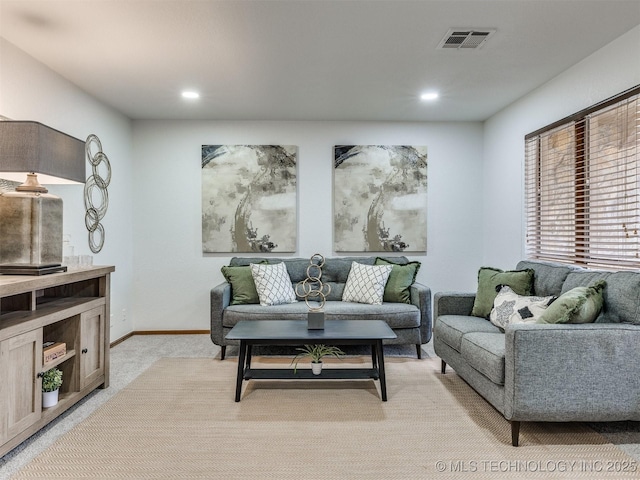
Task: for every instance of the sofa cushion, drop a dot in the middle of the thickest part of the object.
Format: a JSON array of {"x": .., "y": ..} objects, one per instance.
[
  {"x": 272, "y": 283},
  {"x": 337, "y": 289},
  {"x": 297, "y": 268},
  {"x": 578, "y": 305},
  {"x": 337, "y": 269},
  {"x": 246, "y": 261},
  {"x": 621, "y": 297},
  {"x": 485, "y": 352},
  {"x": 509, "y": 307},
  {"x": 398, "y": 287},
  {"x": 451, "y": 328},
  {"x": 365, "y": 283},
  {"x": 243, "y": 288},
  {"x": 548, "y": 278},
  {"x": 286, "y": 311},
  {"x": 397, "y": 315},
  {"x": 584, "y": 279},
  {"x": 521, "y": 281}
]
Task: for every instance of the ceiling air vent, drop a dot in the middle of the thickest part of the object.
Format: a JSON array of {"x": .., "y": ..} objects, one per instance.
[{"x": 465, "y": 38}]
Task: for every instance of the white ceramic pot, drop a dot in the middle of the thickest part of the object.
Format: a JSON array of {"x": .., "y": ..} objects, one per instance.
[
  {"x": 316, "y": 368},
  {"x": 49, "y": 399}
]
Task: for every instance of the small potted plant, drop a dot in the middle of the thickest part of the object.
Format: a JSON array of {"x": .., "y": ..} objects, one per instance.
[
  {"x": 315, "y": 353},
  {"x": 51, "y": 382}
]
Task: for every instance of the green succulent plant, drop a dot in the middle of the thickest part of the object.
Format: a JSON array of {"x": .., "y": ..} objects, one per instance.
[
  {"x": 51, "y": 380},
  {"x": 315, "y": 353}
]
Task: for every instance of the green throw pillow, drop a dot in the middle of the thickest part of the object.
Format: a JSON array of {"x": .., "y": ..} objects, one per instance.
[
  {"x": 243, "y": 288},
  {"x": 520, "y": 281},
  {"x": 400, "y": 280},
  {"x": 578, "y": 305}
]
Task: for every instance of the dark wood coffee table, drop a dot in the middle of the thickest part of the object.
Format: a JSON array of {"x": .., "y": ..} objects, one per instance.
[{"x": 294, "y": 332}]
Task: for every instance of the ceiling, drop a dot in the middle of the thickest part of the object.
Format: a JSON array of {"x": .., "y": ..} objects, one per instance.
[{"x": 310, "y": 59}]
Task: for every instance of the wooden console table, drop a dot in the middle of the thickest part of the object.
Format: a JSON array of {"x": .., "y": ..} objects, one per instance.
[{"x": 70, "y": 307}]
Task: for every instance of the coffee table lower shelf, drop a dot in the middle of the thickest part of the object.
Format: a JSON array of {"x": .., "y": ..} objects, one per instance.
[{"x": 307, "y": 374}]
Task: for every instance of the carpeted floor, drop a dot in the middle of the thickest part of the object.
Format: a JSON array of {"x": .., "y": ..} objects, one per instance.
[{"x": 196, "y": 428}]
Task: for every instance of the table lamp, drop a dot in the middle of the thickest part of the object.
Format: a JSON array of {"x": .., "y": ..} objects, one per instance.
[{"x": 31, "y": 218}]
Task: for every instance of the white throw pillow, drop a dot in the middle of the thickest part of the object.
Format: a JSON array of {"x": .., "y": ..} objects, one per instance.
[
  {"x": 273, "y": 284},
  {"x": 509, "y": 307},
  {"x": 365, "y": 283}
]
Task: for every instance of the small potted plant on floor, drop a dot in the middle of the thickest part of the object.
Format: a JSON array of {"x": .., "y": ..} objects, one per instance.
[
  {"x": 51, "y": 382},
  {"x": 315, "y": 353}
]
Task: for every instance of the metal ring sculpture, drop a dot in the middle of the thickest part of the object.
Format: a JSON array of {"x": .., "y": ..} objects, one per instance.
[
  {"x": 95, "y": 182},
  {"x": 312, "y": 286}
]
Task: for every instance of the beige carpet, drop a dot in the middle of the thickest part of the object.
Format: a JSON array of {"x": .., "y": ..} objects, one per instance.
[{"x": 178, "y": 420}]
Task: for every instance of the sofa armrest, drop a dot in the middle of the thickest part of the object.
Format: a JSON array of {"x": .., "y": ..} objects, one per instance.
[
  {"x": 585, "y": 372},
  {"x": 421, "y": 298},
  {"x": 220, "y": 299},
  {"x": 453, "y": 303}
]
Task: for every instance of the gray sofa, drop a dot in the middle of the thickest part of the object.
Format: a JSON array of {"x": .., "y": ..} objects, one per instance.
[
  {"x": 550, "y": 372},
  {"x": 410, "y": 322}
]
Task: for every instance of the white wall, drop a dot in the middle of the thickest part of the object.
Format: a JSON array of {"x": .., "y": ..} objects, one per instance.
[
  {"x": 31, "y": 91},
  {"x": 607, "y": 72},
  {"x": 474, "y": 187},
  {"x": 173, "y": 277}
]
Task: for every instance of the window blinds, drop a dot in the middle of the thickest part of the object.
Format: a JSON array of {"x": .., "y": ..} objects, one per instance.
[{"x": 582, "y": 187}]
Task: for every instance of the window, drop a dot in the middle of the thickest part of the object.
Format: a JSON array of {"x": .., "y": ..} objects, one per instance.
[{"x": 582, "y": 186}]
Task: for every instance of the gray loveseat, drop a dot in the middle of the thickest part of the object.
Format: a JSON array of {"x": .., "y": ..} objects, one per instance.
[
  {"x": 411, "y": 322},
  {"x": 550, "y": 372}
]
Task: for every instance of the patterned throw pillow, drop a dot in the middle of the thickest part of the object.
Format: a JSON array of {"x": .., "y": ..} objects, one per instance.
[
  {"x": 509, "y": 307},
  {"x": 273, "y": 284},
  {"x": 365, "y": 283}
]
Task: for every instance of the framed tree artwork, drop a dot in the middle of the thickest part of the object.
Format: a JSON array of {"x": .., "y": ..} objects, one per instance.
[
  {"x": 249, "y": 198},
  {"x": 380, "y": 198}
]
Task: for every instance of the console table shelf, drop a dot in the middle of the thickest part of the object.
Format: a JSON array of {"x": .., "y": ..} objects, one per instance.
[
  {"x": 66, "y": 307},
  {"x": 58, "y": 361},
  {"x": 14, "y": 322}
]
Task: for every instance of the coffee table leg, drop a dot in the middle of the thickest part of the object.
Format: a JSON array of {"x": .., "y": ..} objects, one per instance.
[
  {"x": 383, "y": 380},
  {"x": 248, "y": 362},
  {"x": 241, "y": 358},
  {"x": 374, "y": 359}
]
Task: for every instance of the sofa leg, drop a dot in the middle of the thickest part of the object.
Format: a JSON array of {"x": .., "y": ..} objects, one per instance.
[
  {"x": 419, "y": 350},
  {"x": 443, "y": 367},
  {"x": 223, "y": 350},
  {"x": 515, "y": 433}
]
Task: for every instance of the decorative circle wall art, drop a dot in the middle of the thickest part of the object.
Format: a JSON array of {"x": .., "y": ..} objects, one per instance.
[{"x": 96, "y": 196}]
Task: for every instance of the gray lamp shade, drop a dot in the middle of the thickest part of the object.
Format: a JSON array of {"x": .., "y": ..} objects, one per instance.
[
  {"x": 31, "y": 221},
  {"x": 34, "y": 147}
]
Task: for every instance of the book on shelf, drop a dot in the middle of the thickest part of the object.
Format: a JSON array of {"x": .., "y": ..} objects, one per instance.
[{"x": 53, "y": 350}]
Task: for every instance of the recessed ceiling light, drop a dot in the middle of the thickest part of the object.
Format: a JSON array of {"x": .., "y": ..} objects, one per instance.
[
  {"x": 190, "y": 94},
  {"x": 429, "y": 96}
]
